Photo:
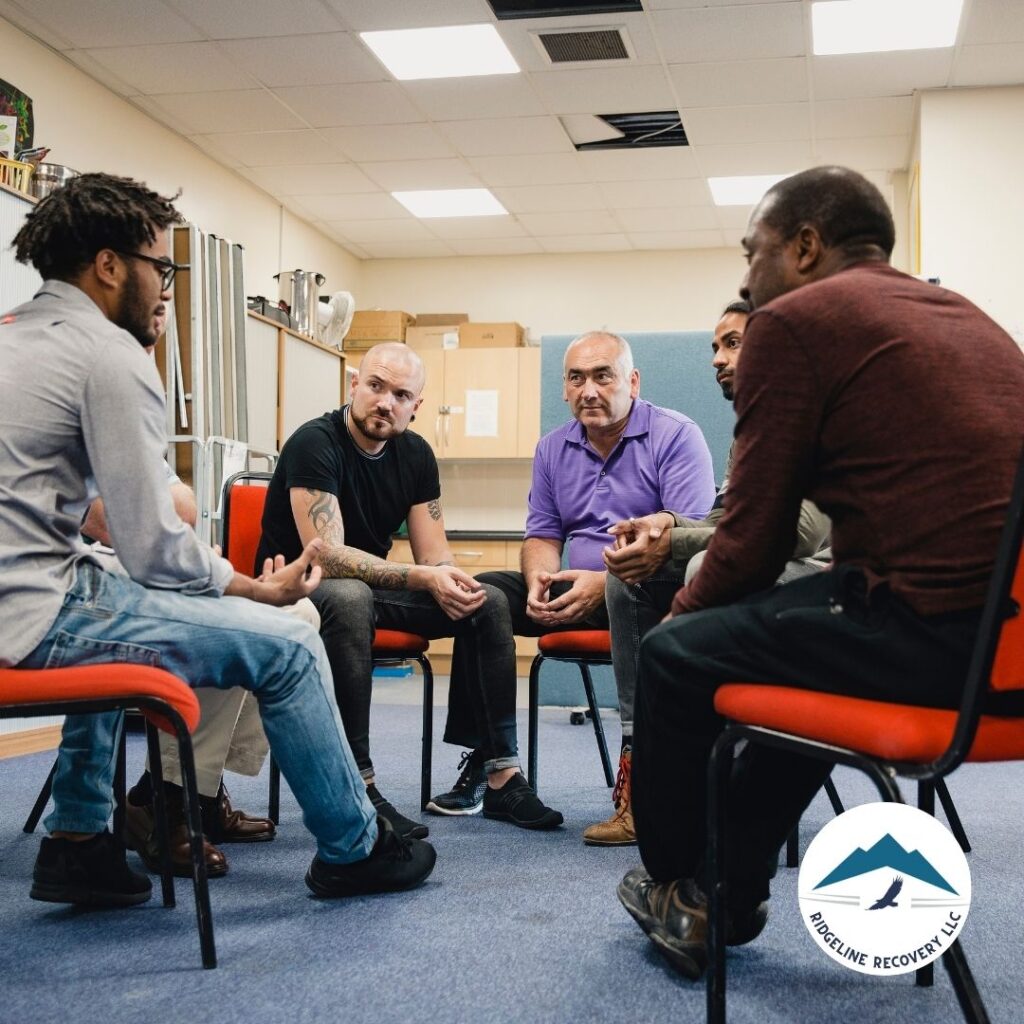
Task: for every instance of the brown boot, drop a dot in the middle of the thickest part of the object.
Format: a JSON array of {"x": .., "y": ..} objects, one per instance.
[
  {"x": 618, "y": 830},
  {"x": 224, "y": 824}
]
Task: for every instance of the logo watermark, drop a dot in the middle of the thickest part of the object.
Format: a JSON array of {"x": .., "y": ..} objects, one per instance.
[{"x": 884, "y": 889}]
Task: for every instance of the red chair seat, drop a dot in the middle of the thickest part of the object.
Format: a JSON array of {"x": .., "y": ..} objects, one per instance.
[
  {"x": 20, "y": 686},
  {"x": 396, "y": 641},
  {"x": 891, "y": 732},
  {"x": 576, "y": 643}
]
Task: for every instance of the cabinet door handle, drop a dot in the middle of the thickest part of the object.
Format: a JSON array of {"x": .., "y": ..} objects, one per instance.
[
  {"x": 447, "y": 427},
  {"x": 437, "y": 431},
  {"x": 468, "y": 554}
]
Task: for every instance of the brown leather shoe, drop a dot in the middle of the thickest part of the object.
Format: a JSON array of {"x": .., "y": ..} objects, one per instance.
[
  {"x": 618, "y": 830},
  {"x": 140, "y": 835},
  {"x": 223, "y": 824}
]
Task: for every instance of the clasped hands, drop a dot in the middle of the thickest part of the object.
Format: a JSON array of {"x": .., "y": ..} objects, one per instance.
[{"x": 641, "y": 547}]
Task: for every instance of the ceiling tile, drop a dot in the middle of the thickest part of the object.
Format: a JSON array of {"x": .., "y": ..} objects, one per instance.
[
  {"x": 888, "y": 152},
  {"x": 665, "y": 5},
  {"x": 326, "y": 106},
  {"x": 998, "y": 64},
  {"x": 495, "y": 246},
  {"x": 731, "y": 33},
  {"x": 305, "y": 59},
  {"x": 365, "y": 15},
  {"x": 852, "y": 75},
  {"x": 763, "y": 123},
  {"x": 606, "y": 90},
  {"x": 538, "y": 169},
  {"x": 612, "y": 242},
  {"x": 572, "y": 222},
  {"x": 41, "y": 24},
  {"x": 458, "y": 99},
  {"x": 149, "y": 106},
  {"x": 887, "y": 115},
  {"x": 994, "y": 21},
  {"x": 734, "y": 82},
  {"x": 550, "y": 198},
  {"x": 239, "y": 19},
  {"x": 122, "y": 23},
  {"x": 475, "y": 227},
  {"x": 404, "y": 175},
  {"x": 637, "y": 165},
  {"x": 100, "y": 72},
  {"x": 624, "y": 195},
  {"x": 363, "y": 206},
  {"x": 671, "y": 218},
  {"x": 507, "y": 135},
  {"x": 268, "y": 149},
  {"x": 427, "y": 247},
  {"x": 390, "y": 142},
  {"x": 234, "y": 110},
  {"x": 754, "y": 158},
  {"x": 172, "y": 68},
  {"x": 364, "y": 231},
  {"x": 677, "y": 240},
  {"x": 310, "y": 179}
]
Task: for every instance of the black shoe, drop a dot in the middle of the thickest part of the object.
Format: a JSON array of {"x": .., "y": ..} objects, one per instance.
[
  {"x": 517, "y": 803},
  {"x": 674, "y": 915},
  {"x": 405, "y": 827},
  {"x": 467, "y": 795},
  {"x": 394, "y": 864},
  {"x": 92, "y": 873}
]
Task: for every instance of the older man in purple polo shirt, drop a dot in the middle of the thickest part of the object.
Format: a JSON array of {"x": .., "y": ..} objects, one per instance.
[{"x": 619, "y": 457}]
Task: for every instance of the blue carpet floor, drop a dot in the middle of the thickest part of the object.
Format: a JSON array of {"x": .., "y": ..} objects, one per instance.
[{"x": 513, "y": 926}]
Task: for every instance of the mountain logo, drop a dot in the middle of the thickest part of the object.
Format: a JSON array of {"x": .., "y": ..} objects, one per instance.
[{"x": 884, "y": 889}]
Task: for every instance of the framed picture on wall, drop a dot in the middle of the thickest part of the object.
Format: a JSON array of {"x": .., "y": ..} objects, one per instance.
[{"x": 16, "y": 106}]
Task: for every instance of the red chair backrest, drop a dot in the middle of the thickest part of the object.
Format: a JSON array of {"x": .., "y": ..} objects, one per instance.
[
  {"x": 1008, "y": 668},
  {"x": 243, "y": 514}
]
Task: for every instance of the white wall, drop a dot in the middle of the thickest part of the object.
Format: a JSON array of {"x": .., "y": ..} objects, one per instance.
[
  {"x": 972, "y": 202},
  {"x": 89, "y": 128}
]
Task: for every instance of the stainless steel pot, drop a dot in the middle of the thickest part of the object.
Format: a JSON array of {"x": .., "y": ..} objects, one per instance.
[
  {"x": 46, "y": 177},
  {"x": 301, "y": 290}
]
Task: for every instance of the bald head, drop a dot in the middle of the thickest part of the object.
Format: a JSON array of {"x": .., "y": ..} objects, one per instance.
[
  {"x": 623, "y": 354},
  {"x": 386, "y": 392},
  {"x": 396, "y": 356}
]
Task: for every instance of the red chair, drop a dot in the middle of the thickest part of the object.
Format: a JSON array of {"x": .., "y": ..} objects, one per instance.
[
  {"x": 168, "y": 704},
  {"x": 244, "y": 498},
  {"x": 583, "y": 647},
  {"x": 884, "y": 741}
]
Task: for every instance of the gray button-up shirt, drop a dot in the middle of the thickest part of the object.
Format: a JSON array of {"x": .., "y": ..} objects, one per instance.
[{"x": 82, "y": 414}]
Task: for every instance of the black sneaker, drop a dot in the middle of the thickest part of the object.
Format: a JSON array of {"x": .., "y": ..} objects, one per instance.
[
  {"x": 394, "y": 864},
  {"x": 467, "y": 795},
  {"x": 93, "y": 873},
  {"x": 405, "y": 827},
  {"x": 517, "y": 803}
]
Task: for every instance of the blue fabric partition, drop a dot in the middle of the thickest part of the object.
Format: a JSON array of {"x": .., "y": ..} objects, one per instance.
[{"x": 675, "y": 372}]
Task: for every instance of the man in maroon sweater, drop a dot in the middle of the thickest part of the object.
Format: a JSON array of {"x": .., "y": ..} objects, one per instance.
[{"x": 895, "y": 406}]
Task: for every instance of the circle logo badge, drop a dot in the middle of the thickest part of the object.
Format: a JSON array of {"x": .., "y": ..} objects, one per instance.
[{"x": 884, "y": 889}]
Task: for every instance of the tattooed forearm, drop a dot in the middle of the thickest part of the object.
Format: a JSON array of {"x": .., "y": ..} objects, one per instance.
[
  {"x": 350, "y": 563},
  {"x": 325, "y": 516},
  {"x": 434, "y": 508}
]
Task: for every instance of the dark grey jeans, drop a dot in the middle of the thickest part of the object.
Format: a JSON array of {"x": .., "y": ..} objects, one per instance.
[{"x": 350, "y": 612}]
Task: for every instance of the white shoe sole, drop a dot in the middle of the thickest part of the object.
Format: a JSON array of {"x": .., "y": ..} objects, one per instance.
[{"x": 437, "y": 809}]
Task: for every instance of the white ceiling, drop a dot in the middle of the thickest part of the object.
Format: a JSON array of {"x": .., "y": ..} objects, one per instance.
[{"x": 287, "y": 94}]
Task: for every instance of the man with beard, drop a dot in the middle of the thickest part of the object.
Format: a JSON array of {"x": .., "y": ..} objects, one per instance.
[
  {"x": 350, "y": 478},
  {"x": 82, "y": 413}
]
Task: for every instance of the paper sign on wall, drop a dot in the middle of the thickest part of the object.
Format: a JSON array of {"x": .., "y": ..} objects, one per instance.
[{"x": 481, "y": 414}]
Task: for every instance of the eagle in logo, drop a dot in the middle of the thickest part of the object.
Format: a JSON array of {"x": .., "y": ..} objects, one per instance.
[{"x": 889, "y": 897}]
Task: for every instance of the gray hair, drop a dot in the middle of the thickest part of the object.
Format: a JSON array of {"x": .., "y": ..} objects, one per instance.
[{"x": 624, "y": 356}]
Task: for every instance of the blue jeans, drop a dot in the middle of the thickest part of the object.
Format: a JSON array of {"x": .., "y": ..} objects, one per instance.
[{"x": 207, "y": 641}]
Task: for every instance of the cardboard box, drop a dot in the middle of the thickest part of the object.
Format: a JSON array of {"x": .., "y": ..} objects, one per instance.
[
  {"x": 372, "y": 326},
  {"x": 508, "y": 335},
  {"x": 442, "y": 336},
  {"x": 440, "y": 319}
]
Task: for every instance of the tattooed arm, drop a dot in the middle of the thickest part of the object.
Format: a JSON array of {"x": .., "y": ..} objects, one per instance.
[{"x": 426, "y": 534}]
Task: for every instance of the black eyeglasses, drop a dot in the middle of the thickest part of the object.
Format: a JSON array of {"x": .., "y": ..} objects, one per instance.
[{"x": 166, "y": 267}]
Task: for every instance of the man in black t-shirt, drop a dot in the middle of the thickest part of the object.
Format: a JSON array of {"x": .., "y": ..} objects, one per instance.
[{"x": 351, "y": 477}]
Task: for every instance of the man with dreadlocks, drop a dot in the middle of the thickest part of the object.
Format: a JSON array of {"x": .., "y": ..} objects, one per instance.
[{"x": 81, "y": 414}]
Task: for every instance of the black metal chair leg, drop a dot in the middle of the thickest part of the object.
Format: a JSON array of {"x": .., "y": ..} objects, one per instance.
[
  {"x": 793, "y": 848},
  {"x": 595, "y": 714},
  {"x": 41, "y": 801},
  {"x": 531, "y": 762},
  {"x": 925, "y": 976},
  {"x": 963, "y": 984},
  {"x": 274, "y": 800},
  {"x": 120, "y": 779},
  {"x": 955, "y": 824},
  {"x": 719, "y": 769},
  {"x": 833, "y": 796},
  {"x": 426, "y": 763},
  {"x": 156, "y": 774}
]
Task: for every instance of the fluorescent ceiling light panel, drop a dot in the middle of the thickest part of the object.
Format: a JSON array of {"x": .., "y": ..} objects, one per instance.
[
  {"x": 873, "y": 26},
  {"x": 456, "y": 51},
  {"x": 451, "y": 202},
  {"x": 742, "y": 190}
]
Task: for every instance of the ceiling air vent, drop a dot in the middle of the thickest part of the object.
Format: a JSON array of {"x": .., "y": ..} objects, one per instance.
[
  {"x": 641, "y": 131},
  {"x": 509, "y": 10},
  {"x": 573, "y": 47}
]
